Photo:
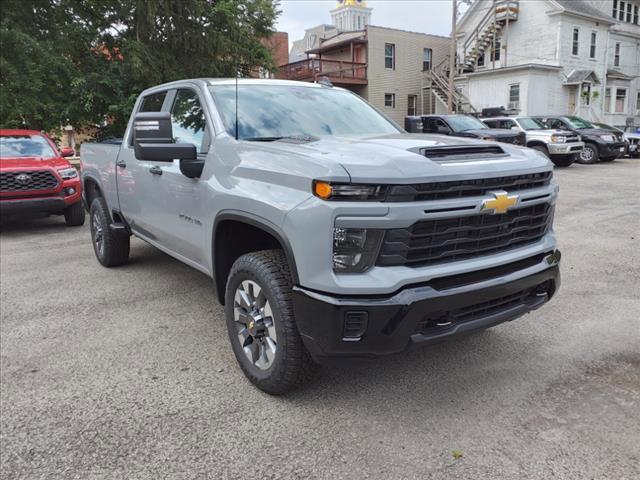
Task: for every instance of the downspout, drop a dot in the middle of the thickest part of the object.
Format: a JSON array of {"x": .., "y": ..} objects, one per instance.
[{"x": 604, "y": 76}]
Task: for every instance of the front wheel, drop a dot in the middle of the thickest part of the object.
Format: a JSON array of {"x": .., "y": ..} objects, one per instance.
[
  {"x": 74, "y": 215},
  {"x": 589, "y": 154},
  {"x": 261, "y": 323}
]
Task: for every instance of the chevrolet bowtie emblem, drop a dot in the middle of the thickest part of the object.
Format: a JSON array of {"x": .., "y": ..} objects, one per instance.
[{"x": 501, "y": 203}]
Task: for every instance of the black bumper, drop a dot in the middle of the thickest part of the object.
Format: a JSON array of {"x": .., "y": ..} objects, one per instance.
[
  {"x": 609, "y": 150},
  {"x": 366, "y": 327},
  {"x": 31, "y": 205}
]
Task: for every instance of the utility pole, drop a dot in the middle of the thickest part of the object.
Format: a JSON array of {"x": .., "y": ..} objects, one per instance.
[{"x": 452, "y": 55}]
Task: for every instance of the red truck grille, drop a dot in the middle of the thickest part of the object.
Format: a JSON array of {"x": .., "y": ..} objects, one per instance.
[{"x": 27, "y": 181}]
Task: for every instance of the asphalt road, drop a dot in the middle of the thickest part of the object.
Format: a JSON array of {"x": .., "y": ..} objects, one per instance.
[{"x": 128, "y": 373}]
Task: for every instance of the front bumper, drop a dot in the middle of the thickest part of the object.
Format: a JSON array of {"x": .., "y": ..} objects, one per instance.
[
  {"x": 608, "y": 150},
  {"x": 565, "y": 148},
  {"x": 366, "y": 326},
  {"x": 31, "y": 205}
]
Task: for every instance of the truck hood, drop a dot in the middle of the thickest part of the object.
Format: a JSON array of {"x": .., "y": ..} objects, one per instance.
[
  {"x": 397, "y": 159},
  {"x": 32, "y": 163}
]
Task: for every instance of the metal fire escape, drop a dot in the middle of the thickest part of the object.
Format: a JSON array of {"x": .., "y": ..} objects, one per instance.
[{"x": 479, "y": 41}]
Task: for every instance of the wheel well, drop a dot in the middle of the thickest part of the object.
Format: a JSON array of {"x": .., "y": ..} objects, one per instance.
[
  {"x": 91, "y": 191},
  {"x": 232, "y": 239}
]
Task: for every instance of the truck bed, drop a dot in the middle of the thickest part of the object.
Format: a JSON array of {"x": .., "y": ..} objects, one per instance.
[{"x": 98, "y": 162}]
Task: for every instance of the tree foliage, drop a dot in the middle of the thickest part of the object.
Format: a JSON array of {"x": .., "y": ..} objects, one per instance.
[{"x": 84, "y": 62}]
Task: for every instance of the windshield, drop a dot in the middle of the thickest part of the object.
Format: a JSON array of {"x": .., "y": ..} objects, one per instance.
[
  {"x": 463, "y": 123},
  {"x": 25, "y": 146},
  {"x": 529, "y": 123},
  {"x": 274, "y": 111},
  {"x": 577, "y": 122}
]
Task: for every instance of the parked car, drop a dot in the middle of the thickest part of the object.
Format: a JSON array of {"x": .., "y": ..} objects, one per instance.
[
  {"x": 561, "y": 146},
  {"x": 36, "y": 177},
  {"x": 632, "y": 134},
  {"x": 599, "y": 144},
  {"x": 471, "y": 127},
  {"x": 630, "y": 148},
  {"x": 329, "y": 232}
]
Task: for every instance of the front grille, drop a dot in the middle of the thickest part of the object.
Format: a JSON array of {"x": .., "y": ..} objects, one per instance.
[
  {"x": 465, "y": 188},
  {"x": 476, "y": 311},
  {"x": 572, "y": 138},
  {"x": 433, "y": 241},
  {"x": 27, "y": 181}
]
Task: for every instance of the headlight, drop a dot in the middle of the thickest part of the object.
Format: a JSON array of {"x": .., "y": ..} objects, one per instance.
[
  {"x": 68, "y": 173},
  {"x": 558, "y": 139},
  {"x": 355, "y": 249},
  {"x": 608, "y": 138},
  {"x": 346, "y": 191}
]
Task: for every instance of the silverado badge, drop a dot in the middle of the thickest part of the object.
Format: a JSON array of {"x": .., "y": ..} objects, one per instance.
[{"x": 501, "y": 203}]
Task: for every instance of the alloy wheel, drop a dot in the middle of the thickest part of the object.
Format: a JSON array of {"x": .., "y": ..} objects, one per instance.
[
  {"x": 98, "y": 234},
  {"x": 255, "y": 324},
  {"x": 586, "y": 154}
]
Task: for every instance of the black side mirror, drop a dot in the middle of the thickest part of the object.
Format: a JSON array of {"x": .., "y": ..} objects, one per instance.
[
  {"x": 443, "y": 130},
  {"x": 153, "y": 139}
]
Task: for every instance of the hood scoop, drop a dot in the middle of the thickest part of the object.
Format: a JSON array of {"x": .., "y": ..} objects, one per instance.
[{"x": 448, "y": 153}]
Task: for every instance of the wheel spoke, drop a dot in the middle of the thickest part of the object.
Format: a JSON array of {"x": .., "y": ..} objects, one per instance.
[
  {"x": 244, "y": 299},
  {"x": 244, "y": 337},
  {"x": 252, "y": 351},
  {"x": 268, "y": 321}
]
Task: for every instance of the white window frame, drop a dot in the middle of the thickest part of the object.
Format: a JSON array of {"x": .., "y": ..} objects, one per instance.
[
  {"x": 575, "y": 42},
  {"x": 607, "y": 100},
  {"x": 593, "y": 45},
  {"x": 412, "y": 99},
  {"x": 430, "y": 61},
  {"x": 516, "y": 102},
  {"x": 393, "y": 100},
  {"x": 614, "y": 99},
  {"x": 392, "y": 57}
]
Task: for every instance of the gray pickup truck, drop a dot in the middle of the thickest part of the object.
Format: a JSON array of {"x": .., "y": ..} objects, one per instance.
[{"x": 329, "y": 232}]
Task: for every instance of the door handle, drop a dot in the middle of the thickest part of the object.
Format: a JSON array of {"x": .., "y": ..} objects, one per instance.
[
  {"x": 121, "y": 164},
  {"x": 155, "y": 170}
]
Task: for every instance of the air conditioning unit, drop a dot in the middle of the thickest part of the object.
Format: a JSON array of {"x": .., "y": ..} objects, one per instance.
[{"x": 514, "y": 105}]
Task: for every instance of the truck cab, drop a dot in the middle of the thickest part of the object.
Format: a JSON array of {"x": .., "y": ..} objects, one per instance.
[{"x": 328, "y": 231}]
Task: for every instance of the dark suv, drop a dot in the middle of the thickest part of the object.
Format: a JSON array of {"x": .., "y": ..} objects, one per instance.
[
  {"x": 467, "y": 126},
  {"x": 599, "y": 144}
]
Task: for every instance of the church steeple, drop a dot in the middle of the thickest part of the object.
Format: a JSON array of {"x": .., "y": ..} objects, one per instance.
[{"x": 351, "y": 15}]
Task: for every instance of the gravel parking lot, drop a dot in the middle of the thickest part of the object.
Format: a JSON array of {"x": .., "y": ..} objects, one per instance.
[{"x": 128, "y": 373}]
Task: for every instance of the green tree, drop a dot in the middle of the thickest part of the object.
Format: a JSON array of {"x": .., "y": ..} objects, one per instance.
[{"x": 85, "y": 62}]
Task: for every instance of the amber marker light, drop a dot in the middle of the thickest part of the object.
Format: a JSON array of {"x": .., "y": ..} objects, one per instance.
[{"x": 322, "y": 190}]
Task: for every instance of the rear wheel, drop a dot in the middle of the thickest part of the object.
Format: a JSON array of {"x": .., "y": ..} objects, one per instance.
[
  {"x": 74, "y": 215},
  {"x": 261, "y": 323},
  {"x": 111, "y": 248},
  {"x": 589, "y": 154}
]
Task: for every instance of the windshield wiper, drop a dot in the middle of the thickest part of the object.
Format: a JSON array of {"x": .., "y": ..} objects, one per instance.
[{"x": 262, "y": 139}]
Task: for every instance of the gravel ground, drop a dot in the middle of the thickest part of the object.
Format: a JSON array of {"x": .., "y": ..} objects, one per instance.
[{"x": 128, "y": 374}]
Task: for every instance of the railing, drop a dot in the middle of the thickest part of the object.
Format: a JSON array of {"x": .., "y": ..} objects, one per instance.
[
  {"x": 499, "y": 10},
  {"x": 439, "y": 77},
  {"x": 313, "y": 68}
]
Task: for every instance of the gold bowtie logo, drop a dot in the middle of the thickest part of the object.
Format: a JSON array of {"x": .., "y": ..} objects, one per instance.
[{"x": 501, "y": 203}]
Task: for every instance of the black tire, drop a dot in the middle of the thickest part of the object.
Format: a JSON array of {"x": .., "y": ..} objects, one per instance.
[
  {"x": 589, "y": 154},
  {"x": 291, "y": 365},
  {"x": 564, "y": 161},
  {"x": 74, "y": 215},
  {"x": 541, "y": 149},
  {"x": 113, "y": 248}
]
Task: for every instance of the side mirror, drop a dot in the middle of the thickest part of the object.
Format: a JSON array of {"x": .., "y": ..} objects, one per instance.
[
  {"x": 67, "y": 152},
  {"x": 443, "y": 130},
  {"x": 515, "y": 128},
  {"x": 153, "y": 139}
]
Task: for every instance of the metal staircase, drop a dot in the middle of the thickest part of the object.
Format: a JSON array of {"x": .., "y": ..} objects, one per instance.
[
  {"x": 489, "y": 29},
  {"x": 437, "y": 82}
]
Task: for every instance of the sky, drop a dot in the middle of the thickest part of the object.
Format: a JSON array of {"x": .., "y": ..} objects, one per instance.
[{"x": 426, "y": 16}]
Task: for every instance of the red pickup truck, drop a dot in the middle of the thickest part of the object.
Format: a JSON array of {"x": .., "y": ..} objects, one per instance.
[{"x": 35, "y": 177}]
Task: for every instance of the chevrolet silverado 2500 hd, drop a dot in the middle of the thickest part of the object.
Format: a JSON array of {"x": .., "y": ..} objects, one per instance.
[{"x": 329, "y": 231}]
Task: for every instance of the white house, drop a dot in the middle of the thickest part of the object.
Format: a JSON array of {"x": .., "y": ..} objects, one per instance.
[{"x": 574, "y": 57}]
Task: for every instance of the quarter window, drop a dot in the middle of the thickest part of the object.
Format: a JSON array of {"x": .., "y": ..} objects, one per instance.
[
  {"x": 575, "y": 46},
  {"x": 390, "y": 100},
  {"x": 390, "y": 56},
  {"x": 187, "y": 119}
]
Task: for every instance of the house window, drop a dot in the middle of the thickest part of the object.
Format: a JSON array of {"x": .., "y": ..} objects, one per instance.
[
  {"x": 495, "y": 51},
  {"x": 621, "y": 12},
  {"x": 480, "y": 62},
  {"x": 426, "y": 59},
  {"x": 412, "y": 105},
  {"x": 390, "y": 100},
  {"x": 359, "y": 22},
  {"x": 615, "y": 9},
  {"x": 621, "y": 100},
  {"x": 390, "y": 56},
  {"x": 607, "y": 100},
  {"x": 638, "y": 102},
  {"x": 575, "y": 47},
  {"x": 635, "y": 14},
  {"x": 585, "y": 94},
  {"x": 616, "y": 55},
  {"x": 514, "y": 96},
  {"x": 629, "y": 12},
  {"x": 592, "y": 49}
]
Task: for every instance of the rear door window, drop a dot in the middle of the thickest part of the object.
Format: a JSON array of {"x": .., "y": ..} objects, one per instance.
[{"x": 188, "y": 120}]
